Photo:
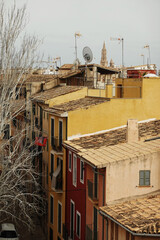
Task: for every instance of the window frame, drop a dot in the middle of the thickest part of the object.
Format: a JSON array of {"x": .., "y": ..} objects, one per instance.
[
  {"x": 51, "y": 219},
  {"x": 78, "y": 214},
  {"x": 74, "y": 174},
  {"x": 52, "y": 136},
  {"x": 72, "y": 203},
  {"x": 60, "y": 120},
  {"x": 70, "y": 161},
  {"x": 60, "y": 232},
  {"x": 144, "y": 178},
  {"x": 81, "y": 171}
]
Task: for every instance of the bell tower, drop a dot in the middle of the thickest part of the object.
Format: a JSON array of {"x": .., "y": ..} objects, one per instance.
[{"x": 104, "y": 61}]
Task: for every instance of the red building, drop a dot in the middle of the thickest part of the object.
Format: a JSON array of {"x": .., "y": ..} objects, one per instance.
[
  {"x": 75, "y": 196},
  {"x": 138, "y": 73}
]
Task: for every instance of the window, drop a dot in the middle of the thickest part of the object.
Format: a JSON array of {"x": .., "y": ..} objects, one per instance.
[
  {"x": 50, "y": 234},
  {"x": 95, "y": 184},
  {"x": 74, "y": 170},
  {"x": 81, "y": 171},
  {"x": 59, "y": 217},
  {"x": 95, "y": 223},
  {"x": 60, "y": 133},
  {"x": 52, "y": 164},
  {"x": 52, "y": 131},
  {"x": 33, "y": 108},
  {"x": 78, "y": 224},
  {"x": 144, "y": 178},
  {"x": 72, "y": 209},
  {"x": 51, "y": 209},
  {"x": 70, "y": 161}
]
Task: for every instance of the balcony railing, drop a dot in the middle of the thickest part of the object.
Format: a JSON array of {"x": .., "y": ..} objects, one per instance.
[
  {"x": 92, "y": 190},
  {"x": 56, "y": 144},
  {"x": 57, "y": 181},
  {"x": 90, "y": 233}
]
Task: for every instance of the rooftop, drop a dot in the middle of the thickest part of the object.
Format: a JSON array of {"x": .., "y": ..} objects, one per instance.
[
  {"x": 55, "y": 92},
  {"x": 40, "y": 78},
  {"x": 111, "y": 145},
  {"x": 81, "y": 103},
  {"x": 140, "y": 215}
]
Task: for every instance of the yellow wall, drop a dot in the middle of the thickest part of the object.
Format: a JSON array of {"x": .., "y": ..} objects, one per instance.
[
  {"x": 96, "y": 92},
  {"x": 57, "y": 196},
  {"x": 131, "y": 87},
  {"x": 67, "y": 97},
  {"x": 116, "y": 112}
]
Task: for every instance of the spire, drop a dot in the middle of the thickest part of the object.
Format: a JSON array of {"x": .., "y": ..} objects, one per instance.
[
  {"x": 104, "y": 61},
  {"x": 111, "y": 63}
]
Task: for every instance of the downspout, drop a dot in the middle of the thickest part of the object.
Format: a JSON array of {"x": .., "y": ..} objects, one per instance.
[{"x": 103, "y": 202}]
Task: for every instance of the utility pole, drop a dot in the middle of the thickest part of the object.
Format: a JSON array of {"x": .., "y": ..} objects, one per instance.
[
  {"x": 148, "y": 47},
  {"x": 142, "y": 55},
  {"x": 120, "y": 40},
  {"x": 76, "y": 35}
]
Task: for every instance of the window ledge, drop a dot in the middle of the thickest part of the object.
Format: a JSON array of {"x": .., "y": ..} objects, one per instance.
[{"x": 148, "y": 186}]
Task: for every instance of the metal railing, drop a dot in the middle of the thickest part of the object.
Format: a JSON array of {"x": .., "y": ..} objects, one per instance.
[{"x": 56, "y": 144}]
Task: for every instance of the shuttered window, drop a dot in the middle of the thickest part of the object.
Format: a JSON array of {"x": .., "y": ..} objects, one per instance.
[{"x": 144, "y": 177}]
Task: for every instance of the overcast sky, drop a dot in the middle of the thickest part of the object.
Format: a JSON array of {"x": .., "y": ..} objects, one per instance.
[{"x": 56, "y": 21}]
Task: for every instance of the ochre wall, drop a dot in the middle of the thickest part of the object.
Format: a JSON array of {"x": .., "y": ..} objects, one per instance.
[
  {"x": 116, "y": 112},
  {"x": 67, "y": 97},
  {"x": 57, "y": 196}
]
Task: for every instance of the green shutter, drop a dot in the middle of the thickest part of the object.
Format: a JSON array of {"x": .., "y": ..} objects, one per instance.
[
  {"x": 141, "y": 178},
  {"x": 147, "y": 178}
]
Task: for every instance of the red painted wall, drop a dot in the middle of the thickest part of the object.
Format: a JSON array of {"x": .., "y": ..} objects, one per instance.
[
  {"x": 134, "y": 73},
  {"x": 90, "y": 204},
  {"x": 77, "y": 194}
]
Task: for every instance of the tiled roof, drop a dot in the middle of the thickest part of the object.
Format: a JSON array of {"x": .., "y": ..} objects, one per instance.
[
  {"x": 102, "y": 156},
  {"x": 78, "y": 104},
  {"x": 70, "y": 74},
  {"x": 55, "y": 92},
  {"x": 40, "y": 78},
  {"x": 68, "y": 66},
  {"x": 141, "y": 215},
  {"x": 115, "y": 136}
]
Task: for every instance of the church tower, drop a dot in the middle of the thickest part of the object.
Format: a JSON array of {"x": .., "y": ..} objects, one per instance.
[{"x": 104, "y": 61}]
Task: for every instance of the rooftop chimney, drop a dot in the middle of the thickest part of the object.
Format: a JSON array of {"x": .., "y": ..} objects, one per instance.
[{"x": 132, "y": 130}]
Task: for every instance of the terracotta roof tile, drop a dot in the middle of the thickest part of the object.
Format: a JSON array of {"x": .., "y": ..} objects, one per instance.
[
  {"x": 140, "y": 215},
  {"x": 55, "y": 92}
]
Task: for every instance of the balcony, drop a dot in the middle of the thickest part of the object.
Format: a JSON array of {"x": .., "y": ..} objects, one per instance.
[
  {"x": 90, "y": 233},
  {"x": 56, "y": 144},
  {"x": 92, "y": 190},
  {"x": 57, "y": 181}
]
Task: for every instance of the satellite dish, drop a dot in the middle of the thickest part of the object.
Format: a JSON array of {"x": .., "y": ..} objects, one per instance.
[{"x": 87, "y": 54}]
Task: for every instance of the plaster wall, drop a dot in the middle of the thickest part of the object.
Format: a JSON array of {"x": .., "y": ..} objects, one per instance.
[
  {"x": 116, "y": 112},
  {"x": 68, "y": 97},
  {"x": 122, "y": 178}
]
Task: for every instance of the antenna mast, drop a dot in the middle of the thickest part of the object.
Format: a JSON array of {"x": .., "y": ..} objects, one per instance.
[{"x": 120, "y": 40}]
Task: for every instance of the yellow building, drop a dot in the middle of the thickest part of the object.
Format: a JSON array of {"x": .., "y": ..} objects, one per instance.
[{"x": 71, "y": 114}]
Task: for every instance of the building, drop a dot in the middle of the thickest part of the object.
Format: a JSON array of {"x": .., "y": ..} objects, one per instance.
[{"x": 104, "y": 163}]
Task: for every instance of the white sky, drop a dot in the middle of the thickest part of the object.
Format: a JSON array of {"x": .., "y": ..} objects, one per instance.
[{"x": 56, "y": 21}]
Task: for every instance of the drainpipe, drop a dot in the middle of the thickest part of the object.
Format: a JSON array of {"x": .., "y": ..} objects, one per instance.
[{"x": 103, "y": 202}]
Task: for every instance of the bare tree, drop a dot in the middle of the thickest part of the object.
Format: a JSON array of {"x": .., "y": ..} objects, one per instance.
[{"x": 19, "y": 186}]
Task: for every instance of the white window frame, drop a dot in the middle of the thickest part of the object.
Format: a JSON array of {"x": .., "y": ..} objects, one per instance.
[
  {"x": 74, "y": 176},
  {"x": 78, "y": 214},
  {"x": 73, "y": 216},
  {"x": 69, "y": 154},
  {"x": 81, "y": 170},
  {"x": 50, "y": 209},
  {"x": 59, "y": 203}
]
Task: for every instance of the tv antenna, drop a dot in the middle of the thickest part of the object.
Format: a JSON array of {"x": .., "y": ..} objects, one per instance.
[
  {"x": 120, "y": 40},
  {"x": 88, "y": 57}
]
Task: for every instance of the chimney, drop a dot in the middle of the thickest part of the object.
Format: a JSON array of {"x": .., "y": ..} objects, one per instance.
[{"x": 132, "y": 130}]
